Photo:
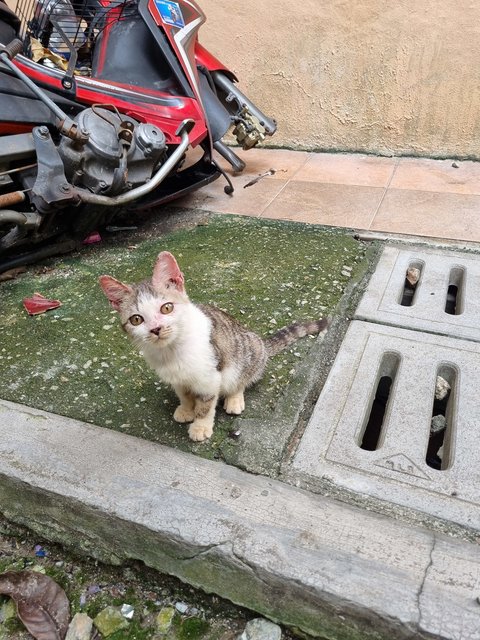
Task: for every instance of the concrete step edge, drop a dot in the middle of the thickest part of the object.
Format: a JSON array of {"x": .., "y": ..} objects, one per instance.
[{"x": 301, "y": 559}]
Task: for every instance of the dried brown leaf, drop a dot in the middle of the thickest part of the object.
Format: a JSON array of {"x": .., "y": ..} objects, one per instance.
[{"x": 42, "y": 604}]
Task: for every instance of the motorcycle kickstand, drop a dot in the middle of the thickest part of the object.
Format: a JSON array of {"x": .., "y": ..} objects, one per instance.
[{"x": 229, "y": 188}]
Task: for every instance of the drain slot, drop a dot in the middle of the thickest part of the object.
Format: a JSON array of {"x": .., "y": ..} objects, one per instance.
[
  {"x": 440, "y": 450},
  {"x": 412, "y": 278},
  {"x": 454, "y": 301},
  {"x": 371, "y": 436}
]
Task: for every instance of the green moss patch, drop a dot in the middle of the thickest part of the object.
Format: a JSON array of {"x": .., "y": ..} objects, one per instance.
[{"x": 76, "y": 361}]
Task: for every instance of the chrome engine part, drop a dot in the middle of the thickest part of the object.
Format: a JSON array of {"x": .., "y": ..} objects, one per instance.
[{"x": 120, "y": 153}]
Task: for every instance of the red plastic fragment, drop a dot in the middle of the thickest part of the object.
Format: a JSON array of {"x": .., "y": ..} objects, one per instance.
[
  {"x": 93, "y": 238},
  {"x": 39, "y": 304}
]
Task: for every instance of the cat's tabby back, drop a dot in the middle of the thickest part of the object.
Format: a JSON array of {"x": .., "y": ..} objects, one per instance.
[{"x": 201, "y": 351}]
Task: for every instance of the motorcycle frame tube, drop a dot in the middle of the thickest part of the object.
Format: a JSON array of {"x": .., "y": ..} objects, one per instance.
[
  {"x": 227, "y": 85},
  {"x": 10, "y": 199},
  {"x": 17, "y": 146},
  {"x": 15, "y": 128}
]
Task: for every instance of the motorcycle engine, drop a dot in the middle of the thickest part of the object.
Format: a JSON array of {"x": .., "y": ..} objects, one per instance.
[{"x": 121, "y": 153}]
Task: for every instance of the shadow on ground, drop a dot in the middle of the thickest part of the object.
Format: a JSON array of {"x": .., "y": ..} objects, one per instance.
[{"x": 75, "y": 360}]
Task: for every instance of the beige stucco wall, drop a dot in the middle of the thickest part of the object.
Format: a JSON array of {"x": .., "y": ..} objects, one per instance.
[{"x": 381, "y": 76}]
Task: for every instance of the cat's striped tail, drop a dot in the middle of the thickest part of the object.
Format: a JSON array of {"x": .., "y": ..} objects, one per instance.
[{"x": 286, "y": 336}]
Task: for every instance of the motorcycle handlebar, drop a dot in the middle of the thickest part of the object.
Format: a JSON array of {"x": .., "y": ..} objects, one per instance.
[{"x": 12, "y": 49}]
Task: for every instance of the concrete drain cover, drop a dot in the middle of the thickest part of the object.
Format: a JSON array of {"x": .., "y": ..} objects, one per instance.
[
  {"x": 446, "y": 298},
  {"x": 384, "y": 426}
]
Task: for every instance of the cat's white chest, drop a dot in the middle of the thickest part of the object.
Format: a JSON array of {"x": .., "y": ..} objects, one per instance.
[{"x": 190, "y": 360}]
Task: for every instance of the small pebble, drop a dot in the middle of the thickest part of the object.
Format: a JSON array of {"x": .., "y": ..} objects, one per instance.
[
  {"x": 442, "y": 388},
  {"x": 413, "y": 275},
  {"x": 181, "y": 607},
  {"x": 164, "y": 619},
  {"x": 109, "y": 621},
  {"x": 438, "y": 424},
  {"x": 261, "y": 629},
  {"x": 80, "y": 627},
  {"x": 127, "y": 611},
  {"x": 38, "y": 568}
]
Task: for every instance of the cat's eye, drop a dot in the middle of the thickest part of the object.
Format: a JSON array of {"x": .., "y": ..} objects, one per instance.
[
  {"x": 135, "y": 320},
  {"x": 166, "y": 308}
]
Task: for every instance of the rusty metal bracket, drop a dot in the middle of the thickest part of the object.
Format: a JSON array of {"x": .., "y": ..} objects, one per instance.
[{"x": 51, "y": 189}]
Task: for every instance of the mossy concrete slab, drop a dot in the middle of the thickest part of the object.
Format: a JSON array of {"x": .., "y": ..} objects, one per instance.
[
  {"x": 75, "y": 360},
  {"x": 326, "y": 568}
]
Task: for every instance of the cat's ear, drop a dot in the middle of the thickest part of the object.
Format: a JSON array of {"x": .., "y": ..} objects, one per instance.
[
  {"x": 114, "y": 290},
  {"x": 166, "y": 272}
]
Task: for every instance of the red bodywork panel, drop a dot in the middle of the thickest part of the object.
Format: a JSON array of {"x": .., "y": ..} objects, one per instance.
[
  {"x": 204, "y": 58},
  {"x": 90, "y": 91},
  {"x": 10, "y": 128}
]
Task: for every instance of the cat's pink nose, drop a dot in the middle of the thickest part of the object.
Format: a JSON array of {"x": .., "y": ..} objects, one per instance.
[{"x": 156, "y": 331}]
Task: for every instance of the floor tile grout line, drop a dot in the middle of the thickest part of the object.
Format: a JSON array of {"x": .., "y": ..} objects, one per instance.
[
  {"x": 310, "y": 155},
  {"x": 377, "y": 209},
  {"x": 307, "y": 159},
  {"x": 261, "y": 214}
]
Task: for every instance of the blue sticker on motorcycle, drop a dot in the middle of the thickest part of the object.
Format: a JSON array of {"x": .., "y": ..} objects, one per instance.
[{"x": 171, "y": 13}]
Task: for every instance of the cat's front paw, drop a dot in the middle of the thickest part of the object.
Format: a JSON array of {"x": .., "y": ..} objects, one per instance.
[
  {"x": 183, "y": 414},
  {"x": 234, "y": 404},
  {"x": 199, "y": 431}
]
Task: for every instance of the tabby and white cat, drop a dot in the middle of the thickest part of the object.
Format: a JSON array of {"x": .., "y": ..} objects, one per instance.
[{"x": 201, "y": 351}]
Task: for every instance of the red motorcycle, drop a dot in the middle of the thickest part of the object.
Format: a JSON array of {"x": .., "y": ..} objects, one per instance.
[{"x": 101, "y": 105}]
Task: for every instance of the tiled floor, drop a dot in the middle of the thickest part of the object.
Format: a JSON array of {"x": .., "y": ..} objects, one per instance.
[{"x": 434, "y": 198}]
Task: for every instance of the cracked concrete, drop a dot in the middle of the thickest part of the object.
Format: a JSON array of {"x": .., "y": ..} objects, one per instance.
[
  {"x": 425, "y": 575},
  {"x": 327, "y": 568}
]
